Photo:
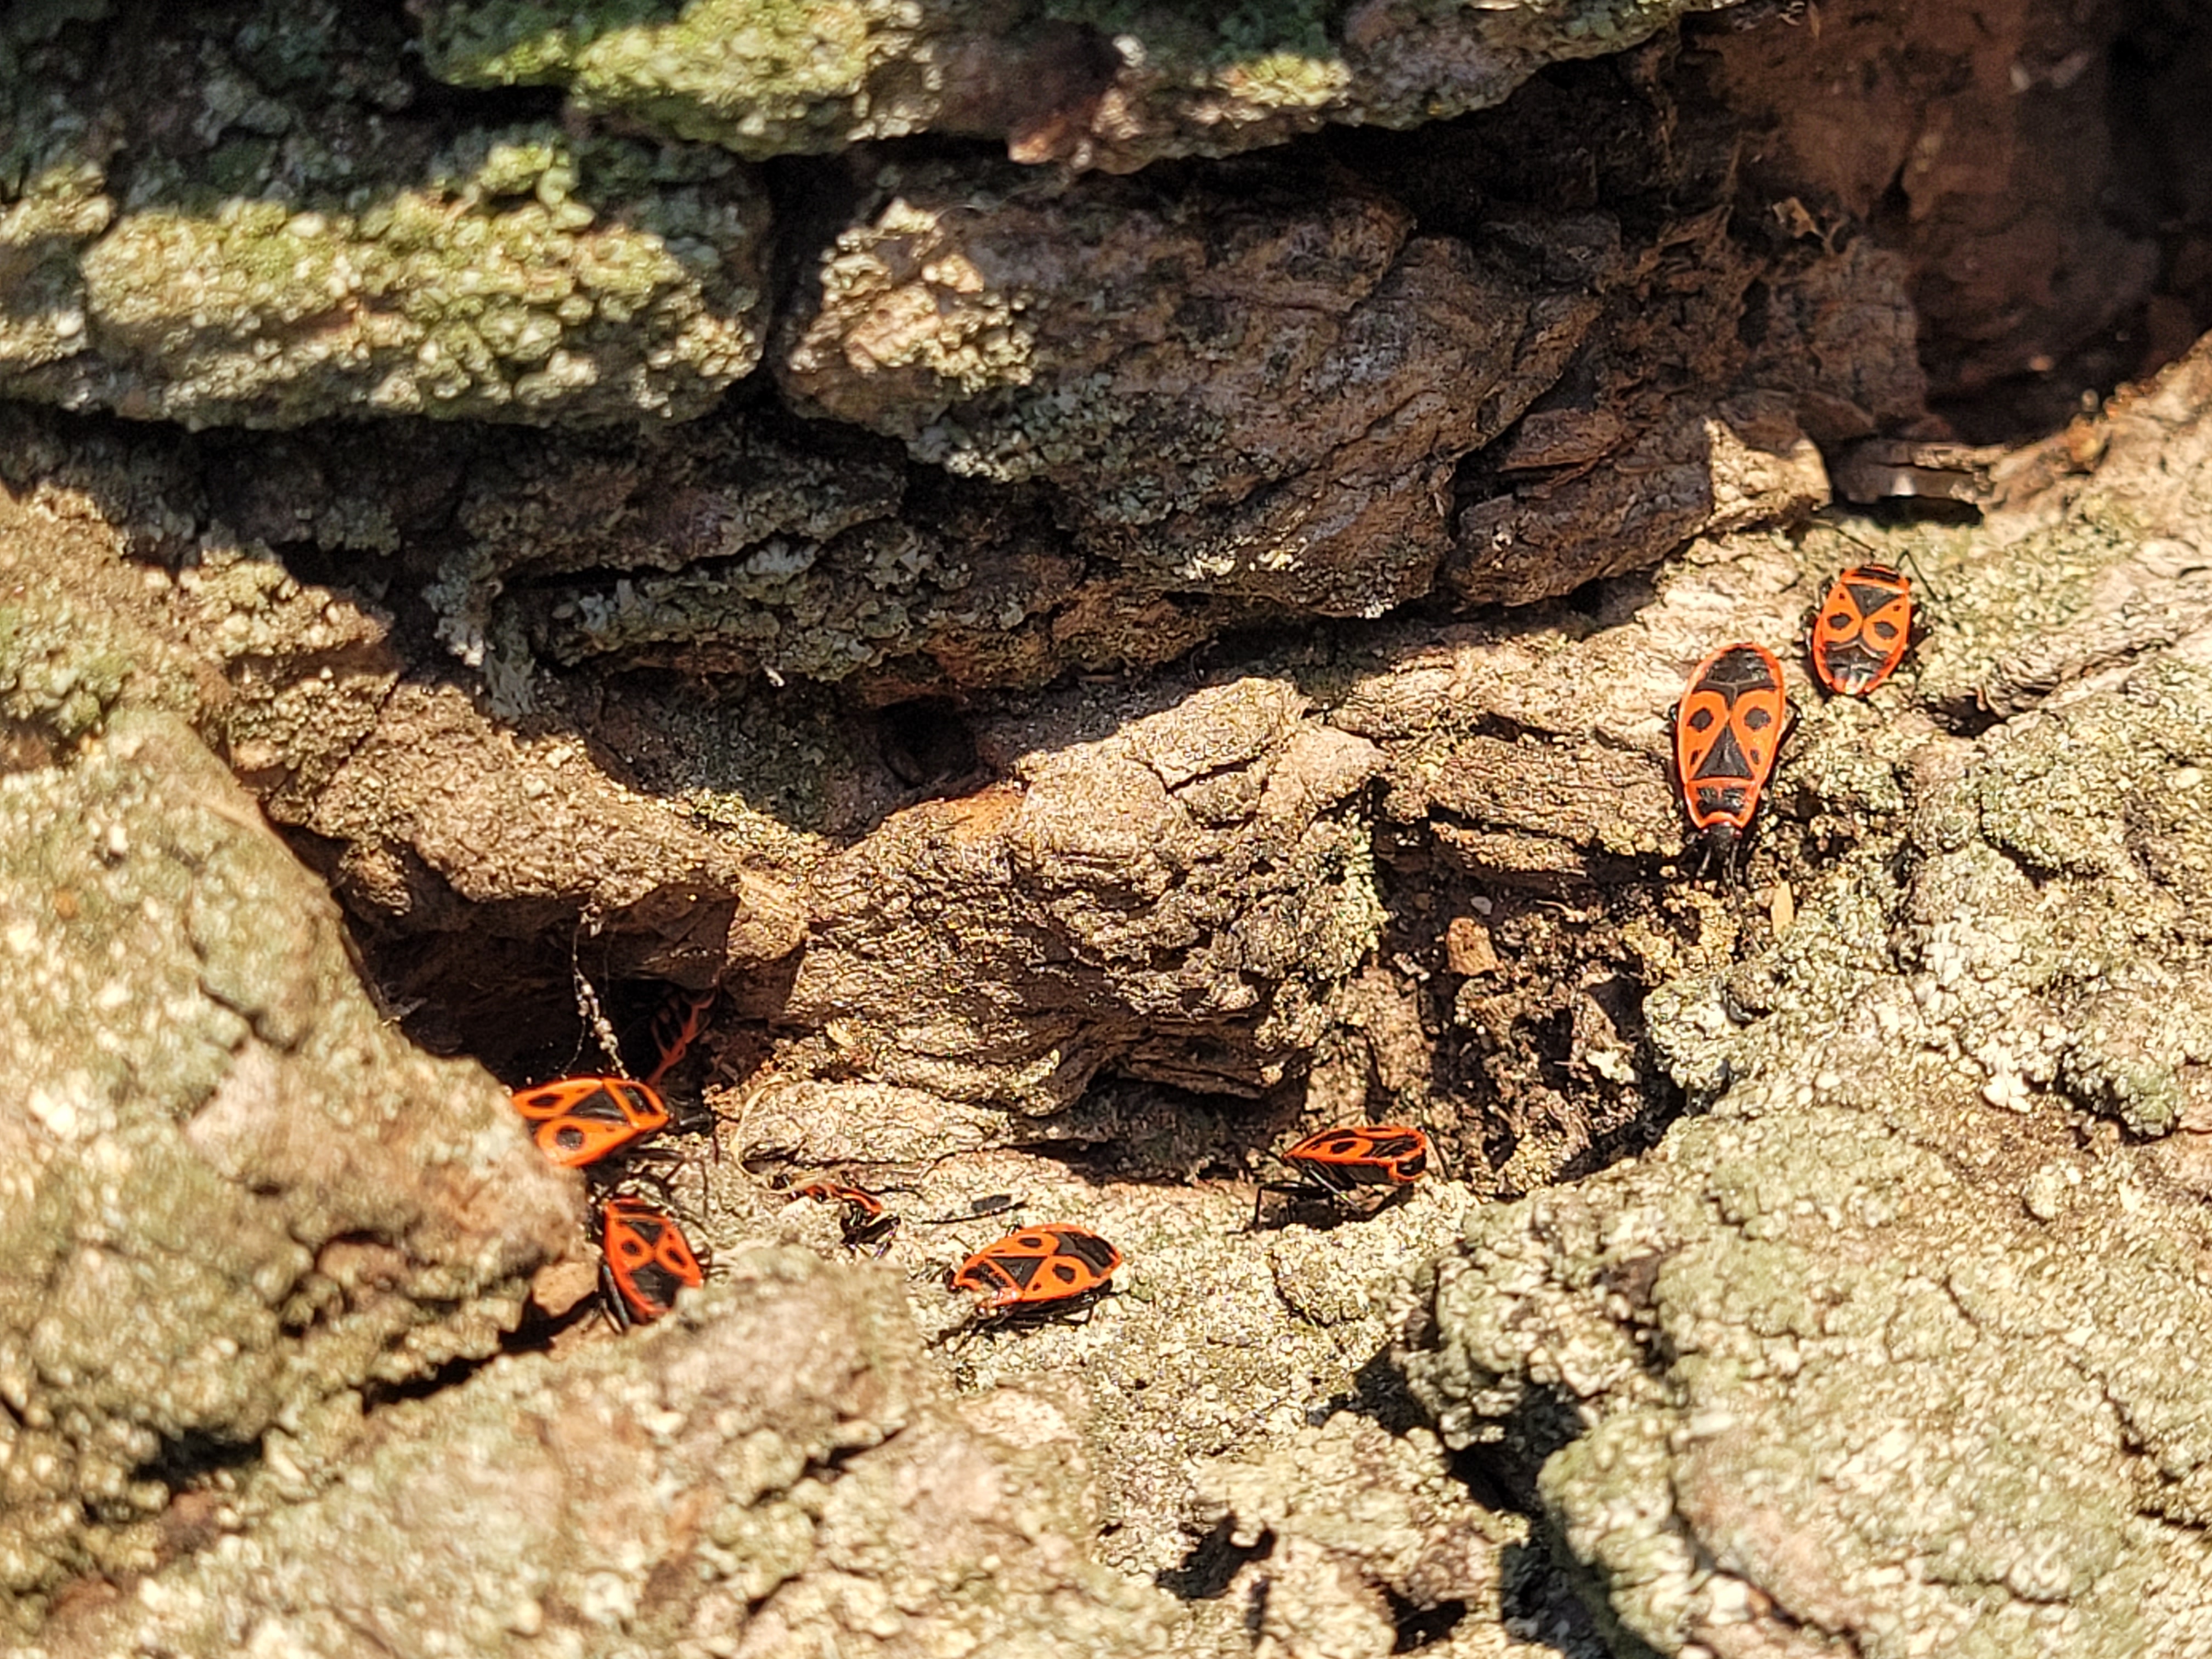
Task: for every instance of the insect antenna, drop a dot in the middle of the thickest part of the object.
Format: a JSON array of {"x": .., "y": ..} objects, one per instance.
[
  {"x": 990, "y": 1204},
  {"x": 588, "y": 1007}
]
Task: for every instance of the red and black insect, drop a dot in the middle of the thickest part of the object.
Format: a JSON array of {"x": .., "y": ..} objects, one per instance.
[
  {"x": 675, "y": 1026},
  {"x": 1039, "y": 1273},
  {"x": 1366, "y": 1155},
  {"x": 645, "y": 1259},
  {"x": 1338, "y": 1160},
  {"x": 1862, "y": 629},
  {"x": 1727, "y": 729},
  {"x": 862, "y": 1217},
  {"x": 581, "y": 1120}
]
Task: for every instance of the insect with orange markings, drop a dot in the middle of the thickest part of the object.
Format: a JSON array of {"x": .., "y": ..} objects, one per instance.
[
  {"x": 645, "y": 1259},
  {"x": 1863, "y": 628},
  {"x": 677, "y": 1024},
  {"x": 1039, "y": 1273},
  {"x": 1338, "y": 1162},
  {"x": 1728, "y": 728},
  {"x": 862, "y": 1217},
  {"x": 582, "y": 1120}
]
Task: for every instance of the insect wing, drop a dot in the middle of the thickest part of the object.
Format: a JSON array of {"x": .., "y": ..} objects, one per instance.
[
  {"x": 1379, "y": 1154},
  {"x": 858, "y": 1199},
  {"x": 1863, "y": 628},
  {"x": 580, "y": 1119},
  {"x": 862, "y": 1217},
  {"x": 649, "y": 1259},
  {"x": 1039, "y": 1266},
  {"x": 572, "y": 1143},
  {"x": 1727, "y": 729},
  {"x": 675, "y": 1027}
]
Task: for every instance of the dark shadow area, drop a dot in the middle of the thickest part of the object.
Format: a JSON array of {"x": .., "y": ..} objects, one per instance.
[
  {"x": 1539, "y": 1601},
  {"x": 2162, "y": 132},
  {"x": 376, "y": 1394},
  {"x": 1526, "y": 999},
  {"x": 1502, "y": 1473},
  {"x": 187, "y": 1460},
  {"x": 1211, "y": 1564},
  {"x": 1419, "y": 1626},
  {"x": 540, "y": 1331},
  {"x": 1899, "y": 509},
  {"x": 1319, "y": 1210},
  {"x": 1379, "y": 1392},
  {"x": 2150, "y": 134},
  {"x": 1599, "y": 134},
  {"x": 930, "y": 747},
  {"x": 513, "y": 1006},
  {"x": 2038, "y": 171}
]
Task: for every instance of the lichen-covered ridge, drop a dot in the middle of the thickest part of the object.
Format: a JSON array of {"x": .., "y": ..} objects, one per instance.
[
  {"x": 303, "y": 238},
  {"x": 1111, "y": 85}
]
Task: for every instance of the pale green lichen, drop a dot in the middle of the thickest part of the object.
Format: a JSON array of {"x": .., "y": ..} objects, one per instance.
[
  {"x": 758, "y": 78},
  {"x": 768, "y": 77},
  {"x": 929, "y": 313},
  {"x": 1289, "y": 80},
  {"x": 314, "y": 249},
  {"x": 1815, "y": 1362},
  {"x": 494, "y": 290},
  {"x": 793, "y": 608},
  {"x": 188, "y": 1025},
  {"x": 61, "y": 671}
]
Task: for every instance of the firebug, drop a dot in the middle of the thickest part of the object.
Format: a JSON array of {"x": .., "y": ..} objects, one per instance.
[
  {"x": 675, "y": 1026},
  {"x": 1366, "y": 1155},
  {"x": 1336, "y": 1161},
  {"x": 1863, "y": 628},
  {"x": 581, "y": 1120},
  {"x": 645, "y": 1261},
  {"x": 862, "y": 1217},
  {"x": 1039, "y": 1271},
  {"x": 1727, "y": 729}
]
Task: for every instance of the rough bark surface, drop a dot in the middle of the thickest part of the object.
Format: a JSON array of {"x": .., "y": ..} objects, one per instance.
[
  {"x": 1179, "y": 901},
  {"x": 236, "y": 1199},
  {"x": 1858, "y": 1364},
  {"x": 1102, "y": 670},
  {"x": 776, "y": 1470},
  {"x": 1088, "y": 85}
]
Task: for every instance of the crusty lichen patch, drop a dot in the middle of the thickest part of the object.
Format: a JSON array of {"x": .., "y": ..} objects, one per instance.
[
  {"x": 1893, "y": 1352},
  {"x": 233, "y": 1197},
  {"x": 304, "y": 244},
  {"x": 1097, "y": 82},
  {"x": 232, "y": 1192},
  {"x": 1815, "y": 1375},
  {"x": 773, "y": 1467}
]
